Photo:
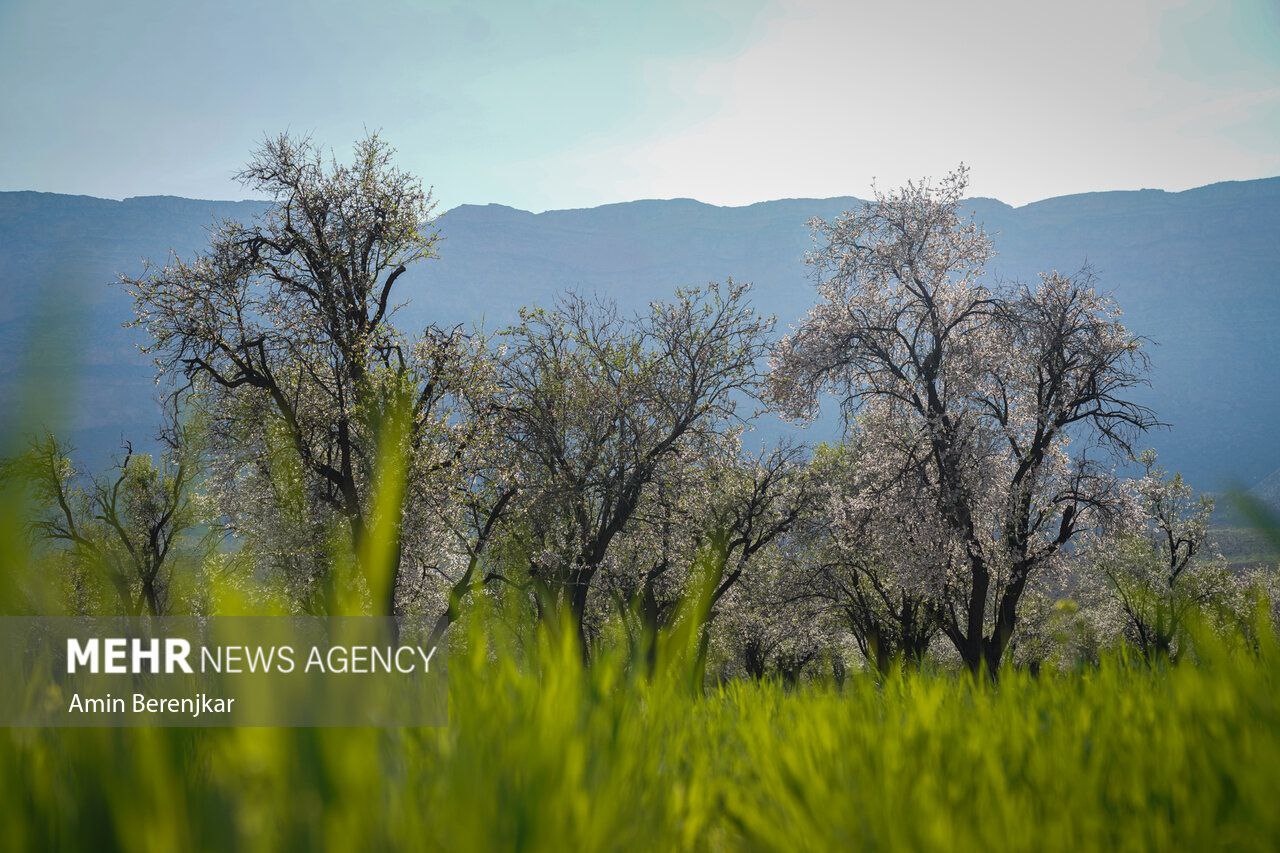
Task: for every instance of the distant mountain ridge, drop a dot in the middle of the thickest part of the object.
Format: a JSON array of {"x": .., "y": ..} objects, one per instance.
[{"x": 1196, "y": 271}]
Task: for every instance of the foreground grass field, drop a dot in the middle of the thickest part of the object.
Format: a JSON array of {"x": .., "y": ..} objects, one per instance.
[{"x": 541, "y": 755}]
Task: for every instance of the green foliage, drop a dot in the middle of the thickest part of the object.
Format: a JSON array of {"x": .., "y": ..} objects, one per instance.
[{"x": 543, "y": 754}]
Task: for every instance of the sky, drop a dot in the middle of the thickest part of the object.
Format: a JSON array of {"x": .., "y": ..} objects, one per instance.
[{"x": 543, "y": 105}]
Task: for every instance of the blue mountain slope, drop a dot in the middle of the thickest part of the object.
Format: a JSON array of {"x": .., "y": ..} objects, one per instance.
[{"x": 1195, "y": 271}]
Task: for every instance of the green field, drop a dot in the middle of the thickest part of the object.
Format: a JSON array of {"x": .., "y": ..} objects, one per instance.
[{"x": 541, "y": 754}]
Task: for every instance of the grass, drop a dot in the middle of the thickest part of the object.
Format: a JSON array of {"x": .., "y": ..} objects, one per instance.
[{"x": 541, "y": 754}]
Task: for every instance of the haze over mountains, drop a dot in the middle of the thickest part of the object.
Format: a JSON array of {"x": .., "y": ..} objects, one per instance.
[{"x": 1198, "y": 272}]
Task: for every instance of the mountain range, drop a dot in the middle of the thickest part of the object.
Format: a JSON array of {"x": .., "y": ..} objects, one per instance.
[{"x": 1196, "y": 272}]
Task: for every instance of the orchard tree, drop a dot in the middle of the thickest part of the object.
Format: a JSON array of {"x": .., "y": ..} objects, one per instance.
[
  {"x": 877, "y": 555},
  {"x": 765, "y": 631},
  {"x": 752, "y": 501},
  {"x": 597, "y": 404},
  {"x": 283, "y": 329},
  {"x": 761, "y": 499},
  {"x": 973, "y": 394},
  {"x": 474, "y": 512},
  {"x": 128, "y": 529},
  {"x": 1156, "y": 564}
]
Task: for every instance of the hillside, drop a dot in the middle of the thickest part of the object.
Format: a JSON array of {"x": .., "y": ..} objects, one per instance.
[{"x": 1195, "y": 271}]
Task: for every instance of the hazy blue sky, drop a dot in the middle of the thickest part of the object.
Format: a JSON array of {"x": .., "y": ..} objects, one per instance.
[{"x": 568, "y": 104}]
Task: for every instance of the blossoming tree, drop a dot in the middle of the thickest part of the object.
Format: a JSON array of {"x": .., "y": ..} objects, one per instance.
[{"x": 972, "y": 393}]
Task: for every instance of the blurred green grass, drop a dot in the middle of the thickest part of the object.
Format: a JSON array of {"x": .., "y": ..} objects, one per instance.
[{"x": 542, "y": 754}]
